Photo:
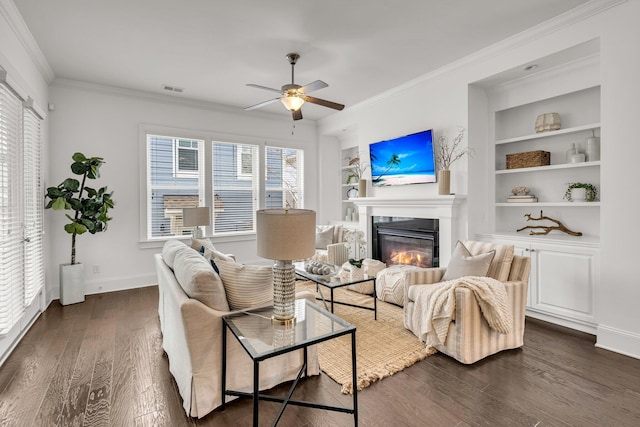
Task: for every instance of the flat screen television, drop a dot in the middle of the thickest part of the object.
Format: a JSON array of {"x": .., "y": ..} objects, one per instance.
[{"x": 405, "y": 160}]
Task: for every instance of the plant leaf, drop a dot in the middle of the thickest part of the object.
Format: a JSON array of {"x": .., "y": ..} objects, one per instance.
[
  {"x": 59, "y": 204},
  {"x": 78, "y": 157},
  {"x": 71, "y": 184}
]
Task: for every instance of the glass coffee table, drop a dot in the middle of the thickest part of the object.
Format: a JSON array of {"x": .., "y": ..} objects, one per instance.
[
  {"x": 263, "y": 340},
  {"x": 333, "y": 283}
]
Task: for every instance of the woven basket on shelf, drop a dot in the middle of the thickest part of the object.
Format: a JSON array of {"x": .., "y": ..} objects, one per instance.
[{"x": 529, "y": 159}]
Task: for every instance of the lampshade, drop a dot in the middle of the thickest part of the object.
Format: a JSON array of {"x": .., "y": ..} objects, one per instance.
[
  {"x": 292, "y": 103},
  {"x": 193, "y": 217},
  {"x": 286, "y": 234}
]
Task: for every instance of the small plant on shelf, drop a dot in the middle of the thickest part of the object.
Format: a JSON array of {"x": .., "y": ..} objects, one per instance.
[
  {"x": 591, "y": 191},
  {"x": 356, "y": 169}
]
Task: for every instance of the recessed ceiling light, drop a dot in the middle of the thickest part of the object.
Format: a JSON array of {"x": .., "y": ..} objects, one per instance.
[{"x": 530, "y": 67}]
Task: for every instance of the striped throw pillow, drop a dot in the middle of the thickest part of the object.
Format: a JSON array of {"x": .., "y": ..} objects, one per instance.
[{"x": 246, "y": 286}]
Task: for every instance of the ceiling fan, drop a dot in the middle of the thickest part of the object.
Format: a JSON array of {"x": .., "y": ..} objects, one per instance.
[{"x": 293, "y": 95}]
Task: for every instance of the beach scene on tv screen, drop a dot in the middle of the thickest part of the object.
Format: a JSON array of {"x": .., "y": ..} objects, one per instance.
[{"x": 405, "y": 160}]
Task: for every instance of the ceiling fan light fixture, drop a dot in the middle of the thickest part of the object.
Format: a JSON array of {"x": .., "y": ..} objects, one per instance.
[{"x": 292, "y": 103}]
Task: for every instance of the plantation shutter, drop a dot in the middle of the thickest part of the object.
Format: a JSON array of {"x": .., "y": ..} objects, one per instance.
[
  {"x": 175, "y": 180},
  {"x": 234, "y": 187},
  {"x": 33, "y": 207},
  {"x": 284, "y": 178},
  {"x": 11, "y": 233}
]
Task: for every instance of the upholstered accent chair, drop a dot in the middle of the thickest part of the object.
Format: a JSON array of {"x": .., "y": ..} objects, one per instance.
[
  {"x": 469, "y": 336},
  {"x": 331, "y": 246}
]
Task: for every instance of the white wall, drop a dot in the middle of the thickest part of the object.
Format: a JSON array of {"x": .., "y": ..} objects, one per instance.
[
  {"x": 102, "y": 121},
  {"x": 441, "y": 100}
]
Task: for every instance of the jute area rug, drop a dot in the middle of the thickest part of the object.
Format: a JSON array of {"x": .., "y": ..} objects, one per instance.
[{"x": 383, "y": 346}]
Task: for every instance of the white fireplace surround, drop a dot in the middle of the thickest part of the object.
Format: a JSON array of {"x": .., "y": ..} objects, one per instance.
[{"x": 449, "y": 210}]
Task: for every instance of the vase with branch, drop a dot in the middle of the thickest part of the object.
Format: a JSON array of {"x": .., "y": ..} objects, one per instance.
[
  {"x": 356, "y": 173},
  {"x": 447, "y": 153}
]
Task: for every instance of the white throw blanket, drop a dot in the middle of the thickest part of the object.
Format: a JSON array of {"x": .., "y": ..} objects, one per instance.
[{"x": 435, "y": 307}]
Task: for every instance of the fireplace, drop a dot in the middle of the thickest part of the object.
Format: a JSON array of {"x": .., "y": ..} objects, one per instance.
[{"x": 412, "y": 241}]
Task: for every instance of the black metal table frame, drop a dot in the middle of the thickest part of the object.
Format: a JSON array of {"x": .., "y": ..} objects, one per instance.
[
  {"x": 257, "y": 396},
  {"x": 319, "y": 283}
]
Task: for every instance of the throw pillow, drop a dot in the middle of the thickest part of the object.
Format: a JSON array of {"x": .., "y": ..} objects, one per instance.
[
  {"x": 169, "y": 251},
  {"x": 198, "y": 279},
  {"x": 197, "y": 244},
  {"x": 217, "y": 255},
  {"x": 246, "y": 286},
  {"x": 501, "y": 263},
  {"x": 463, "y": 263},
  {"x": 324, "y": 237}
]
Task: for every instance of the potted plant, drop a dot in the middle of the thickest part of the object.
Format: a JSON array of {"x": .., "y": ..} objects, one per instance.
[
  {"x": 356, "y": 170},
  {"x": 580, "y": 192},
  {"x": 90, "y": 213},
  {"x": 447, "y": 153}
]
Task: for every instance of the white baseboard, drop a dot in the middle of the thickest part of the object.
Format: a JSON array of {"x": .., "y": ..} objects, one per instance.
[
  {"x": 119, "y": 283},
  {"x": 619, "y": 341}
]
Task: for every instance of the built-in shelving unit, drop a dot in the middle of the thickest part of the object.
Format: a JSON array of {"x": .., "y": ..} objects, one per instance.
[
  {"x": 348, "y": 189},
  {"x": 579, "y": 112}
]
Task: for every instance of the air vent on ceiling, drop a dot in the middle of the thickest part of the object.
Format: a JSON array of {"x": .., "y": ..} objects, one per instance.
[{"x": 173, "y": 88}]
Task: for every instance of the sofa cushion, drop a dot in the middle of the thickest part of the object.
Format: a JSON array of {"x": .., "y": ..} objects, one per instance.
[
  {"x": 463, "y": 263},
  {"x": 501, "y": 263},
  {"x": 169, "y": 251},
  {"x": 324, "y": 236},
  {"x": 206, "y": 248},
  {"x": 246, "y": 285},
  {"x": 198, "y": 279}
]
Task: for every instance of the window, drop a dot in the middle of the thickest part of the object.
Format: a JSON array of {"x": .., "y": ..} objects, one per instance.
[
  {"x": 235, "y": 191},
  {"x": 198, "y": 170},
  {"x": 245, "y": 162},
  {"x": 185, "y": 158},
  {"x": 284, "y": 178},
  {"x": 175, "y": 180},
  {"x": 21, "y": 204}
]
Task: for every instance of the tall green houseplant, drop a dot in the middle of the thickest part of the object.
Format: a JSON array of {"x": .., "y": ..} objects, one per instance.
[{"x": 90, "y": 207}]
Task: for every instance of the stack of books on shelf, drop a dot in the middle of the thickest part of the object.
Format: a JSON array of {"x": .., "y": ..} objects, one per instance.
[{"x": 529, "y": 198}]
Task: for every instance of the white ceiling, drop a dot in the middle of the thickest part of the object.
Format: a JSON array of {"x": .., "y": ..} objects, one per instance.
[{"x": 213, "y": 48}]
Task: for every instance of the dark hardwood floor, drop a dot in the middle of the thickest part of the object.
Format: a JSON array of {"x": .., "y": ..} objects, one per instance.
[{"x": 101, "y": 363}]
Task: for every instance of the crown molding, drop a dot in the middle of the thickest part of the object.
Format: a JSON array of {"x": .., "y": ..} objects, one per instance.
[
  {"x": 557, "y": 23},
  {"x": 12, "y": 15}
]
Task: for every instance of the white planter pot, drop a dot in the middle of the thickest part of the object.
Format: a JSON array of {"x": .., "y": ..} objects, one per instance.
[
  {"x": 578, "y": 194},
  {"x": 71, "y": 283}
]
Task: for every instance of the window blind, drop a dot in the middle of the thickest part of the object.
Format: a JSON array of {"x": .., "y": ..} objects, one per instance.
[
  {"x": 284, "y": 178},
  {"x": 11, "y": 233},
  {"x": 33, "y": 207},
  {"x": 175, "y": 180},
  {"x": 235, "y": 187}
]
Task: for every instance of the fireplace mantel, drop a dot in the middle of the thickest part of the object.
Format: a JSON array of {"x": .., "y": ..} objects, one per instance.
[
  {"x": 448, "y": 209},
  {"x": 435, "y": 201}
]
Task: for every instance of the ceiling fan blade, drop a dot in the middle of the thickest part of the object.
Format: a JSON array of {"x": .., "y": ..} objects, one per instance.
[
  {"x": 297, "y": 114},
  {"x": 324, "y": 103},
  {"x": 318, "y": 84},
  {"x": 264, "y": 87},
  {"x": 262, "y": 104}
]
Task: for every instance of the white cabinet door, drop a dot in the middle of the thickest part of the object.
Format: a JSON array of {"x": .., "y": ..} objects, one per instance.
[{"x": 565, "y": 281}]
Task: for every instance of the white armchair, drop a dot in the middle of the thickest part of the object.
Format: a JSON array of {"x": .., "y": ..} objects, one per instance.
[
  {"x": 331, "y": 246},
  {"x": 469, "y": 336}
]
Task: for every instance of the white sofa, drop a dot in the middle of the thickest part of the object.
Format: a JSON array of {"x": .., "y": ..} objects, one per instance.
[{"x": 192, "y": 336}]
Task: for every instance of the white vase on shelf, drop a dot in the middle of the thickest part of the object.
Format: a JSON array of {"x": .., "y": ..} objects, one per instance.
[{"x": 593, "y": 149}]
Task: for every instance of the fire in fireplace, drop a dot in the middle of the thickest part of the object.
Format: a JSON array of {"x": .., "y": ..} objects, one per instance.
[{"x": 411, "y": 241}]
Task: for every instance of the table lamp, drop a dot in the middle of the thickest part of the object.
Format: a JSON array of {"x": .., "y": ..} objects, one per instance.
[
  {"x": 284, "y": 235},
  {"x": 195, "y": 217}
]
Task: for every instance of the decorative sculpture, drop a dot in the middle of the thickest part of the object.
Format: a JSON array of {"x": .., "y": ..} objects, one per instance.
[{"x": 547, "y": 228}]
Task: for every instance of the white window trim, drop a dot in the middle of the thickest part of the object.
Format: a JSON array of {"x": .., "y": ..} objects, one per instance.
[{"x": 177, "y": 172}]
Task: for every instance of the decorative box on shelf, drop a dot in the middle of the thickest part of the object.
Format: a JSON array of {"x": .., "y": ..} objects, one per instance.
[{"x": 529, "y": 159}]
